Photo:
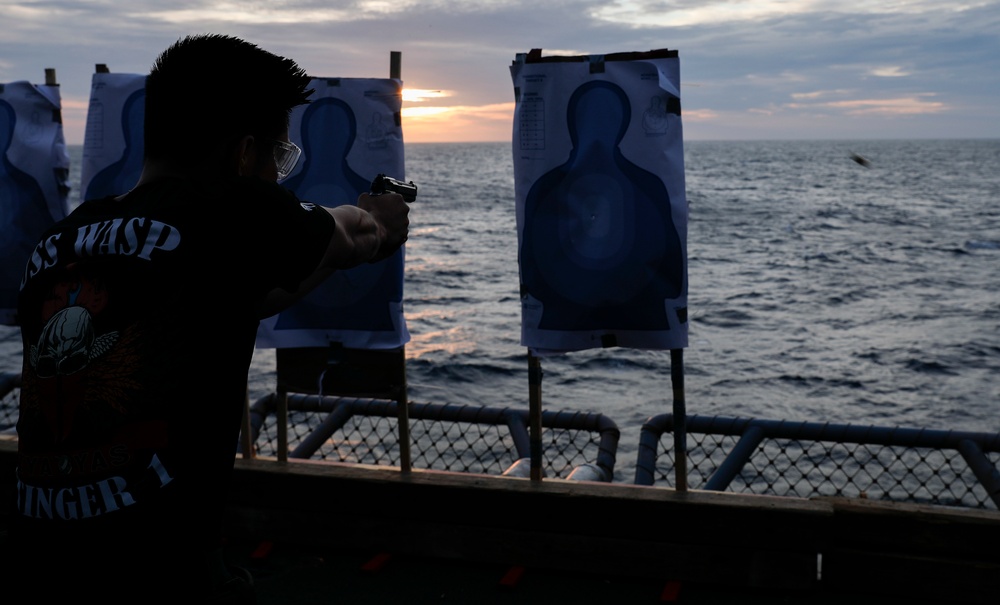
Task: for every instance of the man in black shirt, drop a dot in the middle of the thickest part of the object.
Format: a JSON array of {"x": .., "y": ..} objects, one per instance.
[{"x": 138, "y": 316}]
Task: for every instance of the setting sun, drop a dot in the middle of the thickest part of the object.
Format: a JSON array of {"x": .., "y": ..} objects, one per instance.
[
  {"x": 416, "y": 95},
  {"x": 432, "y": 123}
]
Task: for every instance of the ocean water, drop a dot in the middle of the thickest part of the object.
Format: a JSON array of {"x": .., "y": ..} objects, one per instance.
[{"x": 821, "y": 290}]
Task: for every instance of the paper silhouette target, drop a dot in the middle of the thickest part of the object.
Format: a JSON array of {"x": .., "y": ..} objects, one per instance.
[{"x": 602, "y": 230}]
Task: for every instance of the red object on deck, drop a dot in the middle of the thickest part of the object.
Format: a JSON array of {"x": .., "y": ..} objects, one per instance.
[
  {"x": 512, "y": 577},
  {"x": 377, "y": 562},
  {"x": 263, "y": 549},
  {"x": 671, "y": 591}
]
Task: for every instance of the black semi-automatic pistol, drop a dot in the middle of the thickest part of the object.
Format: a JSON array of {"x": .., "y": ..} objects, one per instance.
[{"x": 386, "y": 184}]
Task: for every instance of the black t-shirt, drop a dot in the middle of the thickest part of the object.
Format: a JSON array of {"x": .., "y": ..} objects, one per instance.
[{"x": 138, "y": 320}]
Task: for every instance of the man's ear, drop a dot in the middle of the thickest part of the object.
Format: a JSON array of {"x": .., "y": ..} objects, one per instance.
[{"x": 244, "y": 157}]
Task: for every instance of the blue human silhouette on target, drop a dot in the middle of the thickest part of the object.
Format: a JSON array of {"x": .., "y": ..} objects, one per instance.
[
  {"x": 121, "y": 176},
  {"x": 599, "y": 248},
  {"x": 353, "y": 299},
  {"x": 24, "y": 213}
]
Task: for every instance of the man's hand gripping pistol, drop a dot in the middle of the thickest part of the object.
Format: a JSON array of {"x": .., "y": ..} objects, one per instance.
[{"x": 386, "y": 184}]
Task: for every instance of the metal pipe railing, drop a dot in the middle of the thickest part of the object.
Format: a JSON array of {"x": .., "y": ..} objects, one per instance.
[{"x": 751, "y": 432}]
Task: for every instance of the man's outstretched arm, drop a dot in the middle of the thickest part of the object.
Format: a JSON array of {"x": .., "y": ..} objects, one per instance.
[{"x": 369, "y": 232}]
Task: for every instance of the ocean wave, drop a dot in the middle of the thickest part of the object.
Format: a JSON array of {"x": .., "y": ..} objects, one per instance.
[{"x": 982, "y": 245}]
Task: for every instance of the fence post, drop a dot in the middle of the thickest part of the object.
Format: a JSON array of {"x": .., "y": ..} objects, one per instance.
[
  {"x": 535, "y": 414},
  {"x": 680, "y": 418}
]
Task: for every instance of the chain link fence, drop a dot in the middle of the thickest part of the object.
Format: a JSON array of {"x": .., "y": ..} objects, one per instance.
[{"x": 457, "y": 438}]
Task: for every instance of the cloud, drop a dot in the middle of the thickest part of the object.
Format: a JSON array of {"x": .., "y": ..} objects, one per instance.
[
  {"x": 417, "y": 95},
  {"x": 903, "y": 106},
  {"x": 248, "y": 13},
  {"x": 459, "y": 123},
  {"x": 817, "y": 94},
  {"x": 686, "y": 14},
  {"x": 772, "y": 60},
  {"x": 700, "y": 115},
  {"x": 890, "y": 71},
  {"x": 690, "y": 13}
]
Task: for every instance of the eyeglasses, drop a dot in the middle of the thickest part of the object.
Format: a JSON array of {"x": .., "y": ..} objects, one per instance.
[{"x": 286, "y": 156}]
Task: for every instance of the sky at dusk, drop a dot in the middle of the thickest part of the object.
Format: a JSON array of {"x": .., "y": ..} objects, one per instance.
[{"x": 750, "y": 69}]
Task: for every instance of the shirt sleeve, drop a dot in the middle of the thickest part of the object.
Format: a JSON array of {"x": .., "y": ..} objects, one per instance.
[{"x": 291, "y": 235}]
